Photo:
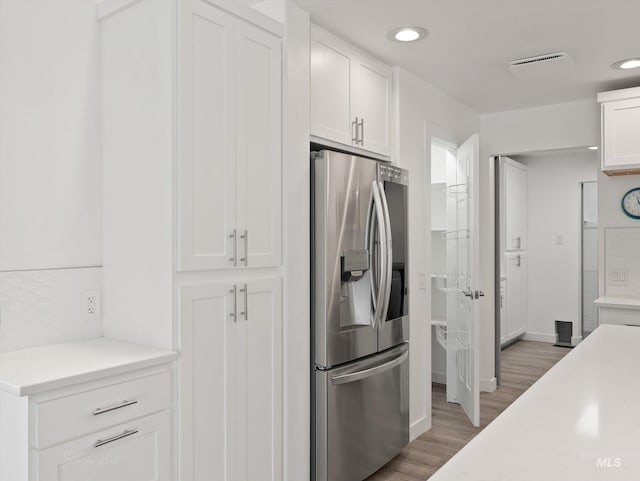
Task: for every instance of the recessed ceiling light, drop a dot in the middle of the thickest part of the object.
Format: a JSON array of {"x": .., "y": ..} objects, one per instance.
[
  {"x": 593, "y": 147},
  {"x": 627, "y": 64},
  {"x": 407, "y": 34}
]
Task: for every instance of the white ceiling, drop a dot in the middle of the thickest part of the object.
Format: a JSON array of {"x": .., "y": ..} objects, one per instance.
[{"x": 470, "y": 42}]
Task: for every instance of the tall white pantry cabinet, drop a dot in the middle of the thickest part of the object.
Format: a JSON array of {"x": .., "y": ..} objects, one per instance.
[{"x": 192, "y": 218}]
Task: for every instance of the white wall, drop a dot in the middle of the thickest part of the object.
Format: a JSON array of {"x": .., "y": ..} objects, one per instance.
[
  {"x": 49, "y": 134},
  {"x": 423, "y": 112},
  {"x": 550, "y": 127},
  {"x": 610, "y": 215},
  {"x": 554, "y": 211},
  {"x": 49, "y": 170}
]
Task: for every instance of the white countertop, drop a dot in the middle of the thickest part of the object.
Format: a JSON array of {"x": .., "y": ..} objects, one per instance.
[
  {"x": 584, "y": 412},
  {"x": 30, "y": 371},
  {"x": 619, "y": 302}
]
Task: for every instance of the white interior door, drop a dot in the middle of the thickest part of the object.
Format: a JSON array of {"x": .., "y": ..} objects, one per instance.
[{"x": 463, "y": 386}]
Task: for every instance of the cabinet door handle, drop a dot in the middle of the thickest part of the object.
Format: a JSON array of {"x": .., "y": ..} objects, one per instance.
[
  {"x": 245, "y": 237},
  {"x": 234, "y": 258},
  {"x": 125, "y": 434},
  {"x": 361, "y": 136},
  {"x": 354, "y": 130},
  {"x": 123, "y": 404},
  {"x": 245, "y": 313},
  {"x": 234, "y": 313}
]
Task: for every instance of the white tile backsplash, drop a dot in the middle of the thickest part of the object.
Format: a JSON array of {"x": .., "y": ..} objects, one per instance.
[
  {"x": 622, "y": 262},
  {"x": 45, "y": 307}
]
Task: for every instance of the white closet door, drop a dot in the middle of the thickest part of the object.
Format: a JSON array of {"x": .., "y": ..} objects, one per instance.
[
  {"x": 208, "y": 330},
  {"x": 259, "y": 147},
  {"x": 259, "y": 378},
  {"x": 208, "y": 147}
]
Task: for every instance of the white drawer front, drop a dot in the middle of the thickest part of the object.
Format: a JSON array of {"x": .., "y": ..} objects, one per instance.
[
  {"x": 67, "y": 417},
  {"x": 139, "y": 450}
]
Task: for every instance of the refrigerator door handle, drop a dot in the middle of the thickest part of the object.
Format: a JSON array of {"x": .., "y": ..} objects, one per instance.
[
  {"x": 370, "y": 372},
  {"x": 389, "y": 251},
  {"x": 378, "y": 218}
]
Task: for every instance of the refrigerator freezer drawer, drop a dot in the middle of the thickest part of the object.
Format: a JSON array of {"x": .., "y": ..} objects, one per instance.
[{"x": 362, "y": 415}]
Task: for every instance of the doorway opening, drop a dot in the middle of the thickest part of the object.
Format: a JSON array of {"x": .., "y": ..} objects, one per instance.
[
  {"x": 454, "y": 274},
  {"x": 545, "y": 246}
]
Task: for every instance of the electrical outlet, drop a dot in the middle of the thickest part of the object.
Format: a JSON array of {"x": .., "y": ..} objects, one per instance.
[{"x": 91, "y": 306}]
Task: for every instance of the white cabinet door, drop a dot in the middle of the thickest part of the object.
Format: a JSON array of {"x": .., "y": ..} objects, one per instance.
[
  {"x": 373, "y": 102},
  {"x": 259, "y": 378},
  {"x": 208, "y": 318},
  {"x": 259, "y": 147},
  {"x": 332, "y": 112},
  {"x": 135, "y": 451},
  {"x": 515, "y": 204},
  {"x": 231, "y": 143},
  {"x": 208, "y": 142},
  {"x": 621, "y": 142},
  {"x": 516, "y": 269},
  {"x": 230, "y": 339},
  {"x": 350, "y": 95}
]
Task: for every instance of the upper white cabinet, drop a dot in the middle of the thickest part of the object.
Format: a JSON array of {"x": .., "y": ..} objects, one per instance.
[
  {"x": 515, "y": 205},
  {"x": 350, "y": 95},
  {"x": 230, "y": 170},
  {"x": 620, "y": 117}
]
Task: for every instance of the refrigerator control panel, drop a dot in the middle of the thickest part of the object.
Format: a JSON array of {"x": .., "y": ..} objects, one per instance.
[{"x": 389, "y": 173}]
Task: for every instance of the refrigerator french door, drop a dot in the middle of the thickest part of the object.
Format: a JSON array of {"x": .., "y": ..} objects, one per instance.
[{"x": 360, "y": 323}]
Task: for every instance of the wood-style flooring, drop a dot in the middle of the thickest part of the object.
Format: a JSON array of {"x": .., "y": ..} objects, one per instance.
[{"x": 523, "y": 363}]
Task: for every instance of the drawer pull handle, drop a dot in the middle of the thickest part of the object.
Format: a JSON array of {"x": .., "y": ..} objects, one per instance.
[
  {"x": 123, "y": 404},
  {"x": 126, "y": 433}
]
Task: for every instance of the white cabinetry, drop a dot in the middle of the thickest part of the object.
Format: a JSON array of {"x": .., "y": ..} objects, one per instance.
[
  {"x": 516, "y": 295},
  {"x": 503, "y": 311},
  {"x": 515, "y": 196},
  {"x": 350, "y": 95},
  {"x": 67, "y": 416},
  {"x": 513, "y": 228},
  {"x": 230, "y": 170},
  {"x": 618, "y": 310},
  {"x": 203, "y": 133},
  {"x": 620, "y": 121},
  {"x": 231, "y": 381}
]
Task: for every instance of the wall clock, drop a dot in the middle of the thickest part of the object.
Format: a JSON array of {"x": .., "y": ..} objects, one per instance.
[{"x": 631, "y": 203}]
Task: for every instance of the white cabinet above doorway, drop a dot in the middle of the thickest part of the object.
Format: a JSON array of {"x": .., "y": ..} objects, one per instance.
[
  {"x": 620, "y": 121},
  {"x": 350, "y": 95}
]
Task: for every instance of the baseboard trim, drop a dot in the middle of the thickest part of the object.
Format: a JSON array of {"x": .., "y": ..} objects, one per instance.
[
  {"x": 575, "y": 340},
  {"x": 418, "y": 427},
  {"x": 439, "y": 377},
  {"x": 488, "y": 385},
  {"x": 540, "y": 337}
]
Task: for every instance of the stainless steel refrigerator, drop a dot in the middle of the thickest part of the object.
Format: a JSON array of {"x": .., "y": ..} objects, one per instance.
[{"x": 360, "y": 322}]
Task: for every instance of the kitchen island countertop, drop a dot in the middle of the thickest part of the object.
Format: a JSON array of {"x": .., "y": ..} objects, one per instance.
[{"x": 580, "y": 421}]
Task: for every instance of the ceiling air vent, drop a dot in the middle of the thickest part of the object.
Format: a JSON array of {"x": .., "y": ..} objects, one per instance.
[{"x": 541, "y": 66}]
